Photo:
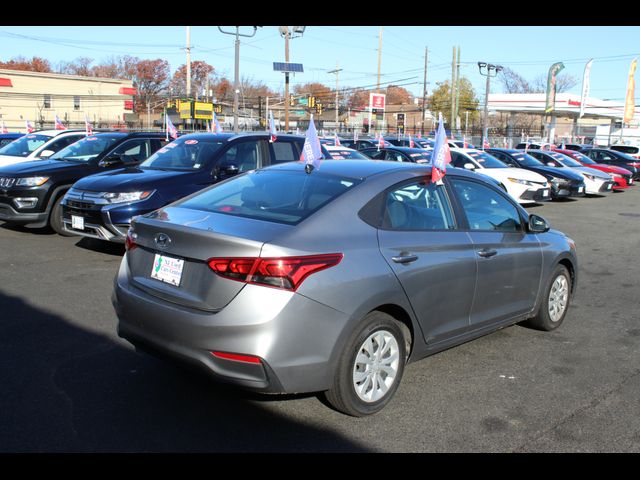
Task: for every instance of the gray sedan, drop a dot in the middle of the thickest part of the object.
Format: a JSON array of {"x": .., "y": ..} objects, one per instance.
[{"x": 284, "y": 281}]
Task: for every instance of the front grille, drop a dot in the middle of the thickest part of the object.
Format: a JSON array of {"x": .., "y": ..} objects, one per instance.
[
  {"x": 7, "y": 182},
  {"x": 79, "y": 205}
]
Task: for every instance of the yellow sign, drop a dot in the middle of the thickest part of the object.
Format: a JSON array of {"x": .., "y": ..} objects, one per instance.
[
  {"x": 184, "y": 108},
  {"x": 203, "y": 110},
  {"x": 629, "y": 104}
]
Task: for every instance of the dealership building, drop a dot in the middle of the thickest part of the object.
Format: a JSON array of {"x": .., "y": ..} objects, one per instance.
[{"x": 39, "y": 97}]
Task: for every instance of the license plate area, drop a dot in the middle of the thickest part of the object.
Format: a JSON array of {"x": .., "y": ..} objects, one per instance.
[
  {"x": 77, "y": 223},
  {"x": 167, "y": 269}
]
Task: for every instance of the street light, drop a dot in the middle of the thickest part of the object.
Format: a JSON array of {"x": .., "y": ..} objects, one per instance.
[
  {"x": 489, "y": 68},
  {"x": 236, "y": 83},
  {"x": 288, "y": 33}
]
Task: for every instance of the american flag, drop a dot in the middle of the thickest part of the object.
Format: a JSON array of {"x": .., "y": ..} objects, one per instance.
[
  {"x": 311, "y": 150},
  {"x": 272, "y": 128},
  {"x": 485, "y": 144},
  {"x": 172, "y": 131},
  {"x": 4, "y": 128},
  {"x": 465, "y": 144},
  {"x": 412, "y": 144},
  {"x": 380, "y": 141},
  {"x": 29, "y": 126},
  {"x": 441, "y": 155},
  {"x": 337, "y": 140},
  {"x": 59, "y": 124}
]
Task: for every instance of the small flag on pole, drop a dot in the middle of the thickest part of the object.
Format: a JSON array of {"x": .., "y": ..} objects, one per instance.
[
  {"x": 172, "y": 131},
  {"x": 208, "y": 126},
  {"x": 87, "y": 125},
  {"x": 380, "y": 141},
  {"x": 272, "y": 128},
  {"x": 29, "y": 126},
  {"x": 216, "y": 124},
  {"x": 355, "y": 135},
  {"x": 4, "y": 128},
  {"x": 311, "y": 150},
  {"x": 337, "y": 140},
  {"x": 465, "y": 144},
  {"x": 59, "y": 124},
  {"x": 441, "y": 155},
  {"x": 297, "y": 130},
  {"x": 412, "y": 144}
]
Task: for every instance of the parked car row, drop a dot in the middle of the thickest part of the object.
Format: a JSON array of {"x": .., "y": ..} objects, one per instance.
[{"x": 242, "y": 262}]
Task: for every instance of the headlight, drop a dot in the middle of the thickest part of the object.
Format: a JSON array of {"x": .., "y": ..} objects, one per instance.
[
  {"x": 31, "y": 181},
  {"x": 559, "y": 181},
  {"x": 522, "y": 182},
  {"x": 615, "y": 175},
  {"x": 125, "y": 197},
  {"x": 590, "y": 177}
]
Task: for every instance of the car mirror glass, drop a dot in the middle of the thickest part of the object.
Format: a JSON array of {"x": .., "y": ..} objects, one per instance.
[
  {"x": 537, "y": 224},
  {"x": 46, "y": 153}
]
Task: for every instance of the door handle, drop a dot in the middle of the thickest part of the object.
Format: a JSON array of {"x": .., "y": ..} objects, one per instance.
[
  {"x": 405, "y": 258},
  {"x": 487, "y": 253}
]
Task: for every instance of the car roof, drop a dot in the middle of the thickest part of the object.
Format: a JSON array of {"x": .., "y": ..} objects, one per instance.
[
  {"x": 228, "y": 136},
  {"x": 334, "y": 148},
  {"x": 402, "y": 149}
]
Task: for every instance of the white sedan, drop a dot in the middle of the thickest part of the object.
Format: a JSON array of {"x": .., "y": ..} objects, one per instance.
[
  {"x": 524, "y": 185},
  {"x": 38, "y": 145}
]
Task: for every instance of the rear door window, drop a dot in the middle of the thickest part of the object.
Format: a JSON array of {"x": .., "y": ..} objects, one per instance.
[
  {"x": 284, "y": 151},
  {"x": 417, "y": 206},
  {"x": 245, "y": 155}
]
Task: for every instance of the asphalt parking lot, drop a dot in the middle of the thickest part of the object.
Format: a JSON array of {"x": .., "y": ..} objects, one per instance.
[{"x": 69, "y": 384}]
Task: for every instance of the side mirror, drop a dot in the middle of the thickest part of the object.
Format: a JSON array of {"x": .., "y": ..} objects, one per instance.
[
  {"x": 111, "y": 161},
  {"x": 46, "y": 153},
  {"x": 229, "y": 170},
  {"x": 537, "y": 224},
  {"x": 469, "y": 166}
]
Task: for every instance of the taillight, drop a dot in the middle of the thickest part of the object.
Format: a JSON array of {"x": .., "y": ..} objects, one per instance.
[
  {"x": 130, "y": 241},
  {"x": 237, "y": 357},
  {"x": 284, "y": 272}
]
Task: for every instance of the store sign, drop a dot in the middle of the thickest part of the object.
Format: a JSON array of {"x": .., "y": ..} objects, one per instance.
[{"x": 377, "y": 100}]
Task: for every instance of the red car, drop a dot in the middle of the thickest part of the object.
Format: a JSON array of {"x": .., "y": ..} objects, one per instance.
[{"x": 621, "y": 176}]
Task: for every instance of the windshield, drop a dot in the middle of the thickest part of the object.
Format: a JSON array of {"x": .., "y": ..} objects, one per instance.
[
  {"x": 347, "y": 154},
  {"x": 420, "y": 157},
  {"x": 183, "y": 154},
  {"x": 86, "y": 149},
  {"x": 568, "y": 161},
  {"x": 486, "y": 161},
  {"x": 24, "y": 146},
  {"x": 277, "y": 196},
  {"x": 582, "y": 158},
  {"x": 527, "y": 160},
  {"x": 625, "y": 149}
]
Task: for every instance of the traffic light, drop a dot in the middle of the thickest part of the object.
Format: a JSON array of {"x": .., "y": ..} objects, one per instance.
[
  {"x": 319, "y": 108},
  {"x": 292, "y": 101},
  {"x": 312, "y": 101}
]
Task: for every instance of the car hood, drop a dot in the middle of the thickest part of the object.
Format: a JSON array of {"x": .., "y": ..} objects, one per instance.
[
  {"x": 611, "y": 169},
  {"x": 519, "y": 173},
  {"x": 593, "y": 172},
  {"x": 36, "y": 167},
  {"x": 558, "y": 172},
  {"x": 130, "y": 180},
  {"x": 10, "y": 160}
]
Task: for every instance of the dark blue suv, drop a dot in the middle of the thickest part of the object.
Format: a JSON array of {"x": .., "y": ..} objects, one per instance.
[{"x": 101, "y": 206}]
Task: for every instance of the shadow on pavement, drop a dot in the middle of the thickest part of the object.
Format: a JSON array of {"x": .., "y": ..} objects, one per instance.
[
  {"x": 20, "y": 228},
  {"x": 101, "y": 246},
  {"x": 67, "y": 389}
]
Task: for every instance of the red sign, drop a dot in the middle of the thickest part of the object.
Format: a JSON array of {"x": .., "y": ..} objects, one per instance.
[
  {"x": 5, "y": 82},
  {"x": 127, "y": 91},
  {"x": 574, "y": 103},
  {"x": 128, "y": 105},
  {"x": 376, "y": 100}
]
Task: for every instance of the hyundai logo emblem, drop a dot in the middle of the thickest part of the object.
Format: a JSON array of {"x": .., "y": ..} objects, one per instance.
[{"x": 162, "y": 240}]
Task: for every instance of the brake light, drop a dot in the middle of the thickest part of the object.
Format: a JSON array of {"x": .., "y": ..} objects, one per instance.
[
  {"x": 130, "y": 241},
  {"x": 237, "y": 357},
  {"x": 286, "y": 273}
]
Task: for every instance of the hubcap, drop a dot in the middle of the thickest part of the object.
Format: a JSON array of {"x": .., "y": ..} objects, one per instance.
[
  {"x": 558, "y": 298},
  {"x": 376, "y": 366}
]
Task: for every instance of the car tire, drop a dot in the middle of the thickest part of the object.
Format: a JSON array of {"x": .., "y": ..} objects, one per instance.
[
  {"x": 555, "y": 302},
  {"x": 55, "y": 218},
  {"x": 370, "y": 367}
]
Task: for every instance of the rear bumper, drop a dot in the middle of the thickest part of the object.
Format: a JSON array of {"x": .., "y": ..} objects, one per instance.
[{"x": 295, "y": 349}]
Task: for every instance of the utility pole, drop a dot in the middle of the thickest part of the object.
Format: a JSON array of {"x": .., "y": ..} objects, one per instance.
[
  {"x": 287, "y": 34},
  {"x": 337, "y": 72},
  {"x": 379, "y": 58},
  {"x": 457, "y": 88},
  {"x": 236, "y": 81},
  {"x": 424, "y": 90},
  {"x": 453, "y": 91},
  {"x": 188, "y": 49},
  {"x": 485, "y": 120}
]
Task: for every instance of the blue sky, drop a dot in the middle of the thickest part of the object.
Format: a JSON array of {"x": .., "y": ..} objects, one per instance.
[{"x": 529, "y": 50}]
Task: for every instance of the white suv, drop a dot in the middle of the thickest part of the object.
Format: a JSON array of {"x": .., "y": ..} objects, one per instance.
[{"x": 38, "y": 145}]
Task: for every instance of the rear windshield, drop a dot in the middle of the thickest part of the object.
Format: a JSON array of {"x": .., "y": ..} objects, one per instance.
[
  {"x": 276, "y": 196},
  {"x": 625, "y": 149},
  {"x": 23, "y": 146},
  {"x": 347, "y": 155}
]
